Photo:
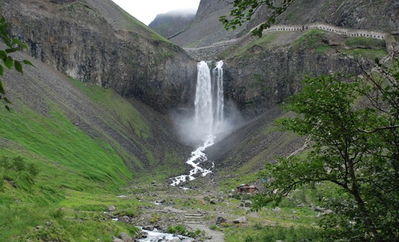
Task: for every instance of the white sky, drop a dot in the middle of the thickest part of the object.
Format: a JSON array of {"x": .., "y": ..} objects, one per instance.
[{"x": 146, "y": 10}]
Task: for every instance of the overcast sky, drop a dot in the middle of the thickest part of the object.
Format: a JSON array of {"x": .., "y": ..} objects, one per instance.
[{"x": 146, "y": 10}]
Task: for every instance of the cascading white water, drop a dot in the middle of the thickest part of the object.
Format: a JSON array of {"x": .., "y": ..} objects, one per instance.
[
  {"x": 204, "y": 117},
  {"x": 208, "y": 117},
  {"x": 218, "y": 76}
]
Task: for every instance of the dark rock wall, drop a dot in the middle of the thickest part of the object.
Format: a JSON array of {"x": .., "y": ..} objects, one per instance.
[
  {"x": 267, "y": 78},
  {"x": 78, "y": 41}
]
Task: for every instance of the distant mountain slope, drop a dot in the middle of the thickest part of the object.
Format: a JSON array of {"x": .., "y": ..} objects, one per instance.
[
  {"x": 172, "y": 23},
  {"x": 381, "y": 15},
  {"x": 206, "y": 28}
]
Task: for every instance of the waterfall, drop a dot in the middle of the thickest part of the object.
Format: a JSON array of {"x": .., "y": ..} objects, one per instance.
[
  {"x": 218, "y": 76},
  {"x": 208, "y": 118},
  {"x": 204, "y": 116}
]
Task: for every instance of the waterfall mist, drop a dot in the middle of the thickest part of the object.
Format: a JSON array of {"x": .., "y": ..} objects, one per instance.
[
  {"x": 212, "y": 114},
  {"x": 208, "y": 123}
]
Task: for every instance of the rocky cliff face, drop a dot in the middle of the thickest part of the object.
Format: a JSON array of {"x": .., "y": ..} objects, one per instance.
[
  {"x": 263, "y": 72},
  {"x": 172, "y": 23},
  {"x": 95, "y": 41}
]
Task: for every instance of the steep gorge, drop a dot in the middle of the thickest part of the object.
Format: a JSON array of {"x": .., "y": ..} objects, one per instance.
[
  {"x": 261, "y": 73},
  {"x": 93, "y": 111}
]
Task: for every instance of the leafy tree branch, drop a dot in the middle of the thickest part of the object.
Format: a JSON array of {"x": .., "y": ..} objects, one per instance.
[
  {"x": 12, "y": 45},
  {"x": 243, "y": 11}
]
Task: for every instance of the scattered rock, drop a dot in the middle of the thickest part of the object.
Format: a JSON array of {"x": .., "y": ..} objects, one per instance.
[
  {"x": 142, "y": 235},
  {"x": 125, "y": 219},
  {"x": 111, "y": 208},
  {"x": 125, "y": 237},
  {"x": 247, "y": 203},
  {"x": 160, "y": 201},
  {"x": 49, "y": 223},
  {"x": 174, "y": 240},
  {"x": 240, "y": 220},
  {"x": 220, "y": 220},
  {"x": 149, "y": 228},
  {"x": 117, "y": 240},
  {"x": 213, "y": 201},
  {"x": 276, "y": 209}
]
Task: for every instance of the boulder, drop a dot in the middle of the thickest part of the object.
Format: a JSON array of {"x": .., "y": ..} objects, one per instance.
[
  {"x": 125, "y": 237},
  {"x": 276, "y": 209},
  {"x": 220, "y": 220},
  {"x": 247, "y": 203},
  {"x": 125, "y": 219},
  {"x": 240, "y": 220},
  {"x": 111, "y": 208},
  {"x": 149, "y": 228},
  {"x": 213, "y": 201}
]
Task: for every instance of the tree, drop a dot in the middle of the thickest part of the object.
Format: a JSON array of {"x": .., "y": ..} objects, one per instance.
[
  {"x": 11, "y": 45},
  {"x": 353, "y": 127},
  {"x": 243, "y": 10}
]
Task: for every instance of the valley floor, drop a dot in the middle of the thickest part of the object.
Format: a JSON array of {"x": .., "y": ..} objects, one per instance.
[{"x": 214, "y": 215}]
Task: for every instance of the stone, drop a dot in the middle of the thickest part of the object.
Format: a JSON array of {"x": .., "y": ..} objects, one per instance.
[
  {"x": 247, "y": 203},
  {"x": 149, "y": 228},
  {"x": 276, "y": 209},
  {"x": 142, "y": 235},
  {"x": 213, "y": 201},
  {"x": 111, "y": 208},
  {"x": 117, "y": 240},
  {"x": 39, "y": 227},
  {"x": 125, "y": 237},
  {"x": 125, "y": 219},
  {"x": 162, "y": 201},
  {"x": 220, "y": 220},
  {"x": 174, "y": 240},
  {"x": 240, "y": 220}
]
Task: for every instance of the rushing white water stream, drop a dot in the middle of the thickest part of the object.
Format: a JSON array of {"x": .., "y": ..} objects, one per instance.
[
  {"x": 208, "y": 117},
  {"x": 157, "y": 236}
]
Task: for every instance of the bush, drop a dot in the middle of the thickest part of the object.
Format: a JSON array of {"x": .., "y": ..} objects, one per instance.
[
  {"x": 182, "y": 230},
  {"x": 17, "y": 172}
]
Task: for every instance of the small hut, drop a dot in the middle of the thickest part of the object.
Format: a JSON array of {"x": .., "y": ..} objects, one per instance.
[{"x": 248, "y": 189}]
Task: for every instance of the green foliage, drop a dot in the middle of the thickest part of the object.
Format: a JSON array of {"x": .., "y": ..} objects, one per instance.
[
  {"x": 264, "y": 41},
  {"x": 243, "y": 10},
  {"x": 365, "y": 47},
  {"x": 108, "y": 99},
  {"x": 313, "y": 39},
  {"x": 17, "y": 173},
  {"x": 354, "y": 147},
  {"x": 365, "y": 42},
  {"x": 259, "y": 233},
  {"x": 12, "y": 45},
  {"x": 366, "y": 53},
  {"x": 182, "y": 230},
  {"x": 57, "y": 160}
]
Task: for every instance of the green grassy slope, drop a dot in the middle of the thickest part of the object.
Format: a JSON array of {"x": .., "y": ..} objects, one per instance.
[
  {"x": 67, "y": 150},
  {"x": 68, "y": 161}
]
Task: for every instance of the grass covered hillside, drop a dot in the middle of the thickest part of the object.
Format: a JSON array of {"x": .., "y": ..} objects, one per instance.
[{"x": 67, "y": 150}]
